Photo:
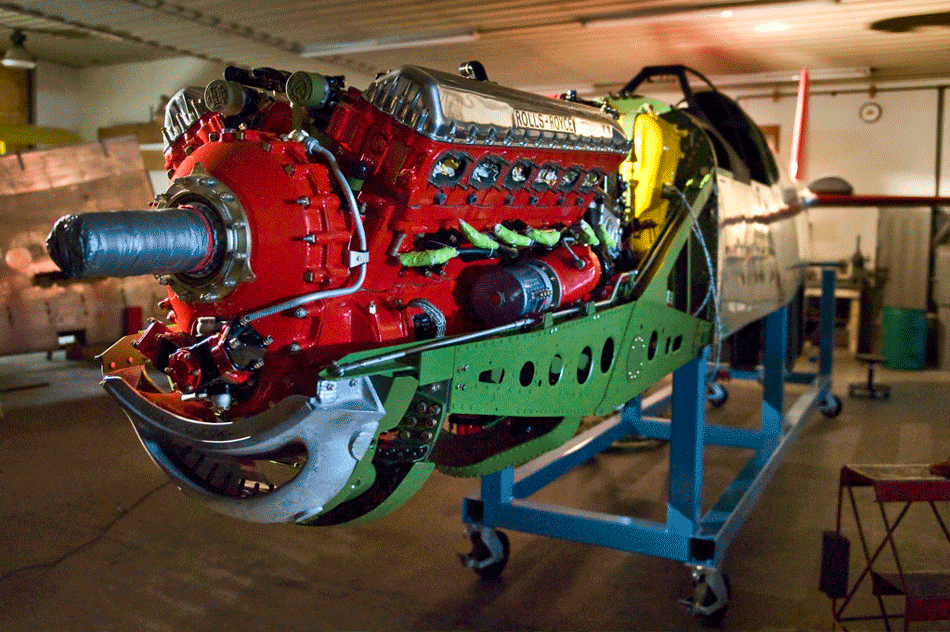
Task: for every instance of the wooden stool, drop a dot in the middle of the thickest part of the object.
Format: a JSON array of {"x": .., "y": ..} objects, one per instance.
[{"x": 869, "y": 390}]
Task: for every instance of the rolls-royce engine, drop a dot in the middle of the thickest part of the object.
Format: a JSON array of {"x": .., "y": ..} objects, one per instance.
[{"x": 309, "y": 225}]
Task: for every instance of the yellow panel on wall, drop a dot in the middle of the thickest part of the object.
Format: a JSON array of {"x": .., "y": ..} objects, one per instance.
[{"x": 14, "y": 102}]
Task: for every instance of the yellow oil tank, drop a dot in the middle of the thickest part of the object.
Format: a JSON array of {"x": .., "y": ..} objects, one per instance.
[{"x": 652, "y": 163}]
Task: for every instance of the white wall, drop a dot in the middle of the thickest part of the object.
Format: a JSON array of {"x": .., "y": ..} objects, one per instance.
[
  {"x": 894, "y": 155},
  {"x": 57, "y": 97},
  {"x": 131, "y": 93}
]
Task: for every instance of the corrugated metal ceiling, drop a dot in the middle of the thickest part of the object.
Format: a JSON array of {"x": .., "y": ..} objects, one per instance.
[{"x": 547, "y": 46}]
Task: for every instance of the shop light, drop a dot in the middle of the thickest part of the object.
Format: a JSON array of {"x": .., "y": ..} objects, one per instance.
[
  {"x": 17, "y": 56},
  {"x": 791, "y": 76},
  {"x": 693, "y": 11},
  {"x": 376, "y": 45},
  {"x": 772, "y": 27}
]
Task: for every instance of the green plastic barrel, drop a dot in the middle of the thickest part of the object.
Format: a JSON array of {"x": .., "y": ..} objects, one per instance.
[{"x": 904, "y": 339}]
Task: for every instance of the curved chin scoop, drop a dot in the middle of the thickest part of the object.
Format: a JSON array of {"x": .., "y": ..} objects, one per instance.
[{"x": 317, "y": 442}]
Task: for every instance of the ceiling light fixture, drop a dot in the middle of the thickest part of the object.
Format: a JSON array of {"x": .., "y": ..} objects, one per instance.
[
  {"x": 17, "y": 56},
  {"x": 772, "y": 27},
  {"x": 376, "y": 45},
  {"x": 791, "y": 76},
  {"x": 698, "y": 12}
]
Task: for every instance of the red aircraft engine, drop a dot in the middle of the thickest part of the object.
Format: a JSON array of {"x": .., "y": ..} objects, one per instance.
[{"x": 306, "y": 221}]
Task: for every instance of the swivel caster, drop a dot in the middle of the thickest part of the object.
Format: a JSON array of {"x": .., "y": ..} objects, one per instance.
[
  {"x": 711, "y": 589},
  {"x": 490, "y": 550},
  {"x": 717, "y": 394},
  {"x": 831, "y": 408}
]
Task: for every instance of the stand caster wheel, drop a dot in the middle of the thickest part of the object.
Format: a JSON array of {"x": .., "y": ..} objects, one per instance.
[
  {"x": 711, "y": 590},
  {"x": 832, "y": 406},
  {"x": 490, "y": 550},
  {"x": 717, "y": 395}
]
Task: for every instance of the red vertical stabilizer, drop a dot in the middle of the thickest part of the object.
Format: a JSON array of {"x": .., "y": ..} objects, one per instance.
[{"x": 796, "y": 161}]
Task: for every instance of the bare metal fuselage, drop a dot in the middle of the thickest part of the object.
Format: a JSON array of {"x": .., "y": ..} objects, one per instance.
[{"x": 759, "y": 258}]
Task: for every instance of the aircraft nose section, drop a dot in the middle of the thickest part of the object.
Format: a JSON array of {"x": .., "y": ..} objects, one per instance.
[{"x": 282, "y": 465}]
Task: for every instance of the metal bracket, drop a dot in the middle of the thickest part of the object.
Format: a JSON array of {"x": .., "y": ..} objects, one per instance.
[{"x": 358, "y": 258}]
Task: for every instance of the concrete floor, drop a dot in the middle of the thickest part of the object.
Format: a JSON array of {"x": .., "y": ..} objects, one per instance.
[{"x": 96, "y": 539}]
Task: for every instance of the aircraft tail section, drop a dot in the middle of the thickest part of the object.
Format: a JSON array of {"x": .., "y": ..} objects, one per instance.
[{"x": 796, "y": 167}]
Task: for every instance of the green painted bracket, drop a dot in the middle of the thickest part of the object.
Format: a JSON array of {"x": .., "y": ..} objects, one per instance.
[
  {"x": 414, "y": 480},
  {"x": 400, "y": 393}
]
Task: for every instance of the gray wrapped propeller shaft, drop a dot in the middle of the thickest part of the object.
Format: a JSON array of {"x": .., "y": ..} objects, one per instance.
[{"x": 131, "y": 243}]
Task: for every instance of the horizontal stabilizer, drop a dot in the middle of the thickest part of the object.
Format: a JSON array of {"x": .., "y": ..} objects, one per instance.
[{"x": 843, "y": 200}]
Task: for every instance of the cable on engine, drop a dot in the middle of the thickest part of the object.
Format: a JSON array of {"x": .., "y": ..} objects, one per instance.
[{"x": 433, "y": 312}]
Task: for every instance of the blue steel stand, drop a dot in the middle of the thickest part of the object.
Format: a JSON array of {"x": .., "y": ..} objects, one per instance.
[{"x": 688, "y": 536}]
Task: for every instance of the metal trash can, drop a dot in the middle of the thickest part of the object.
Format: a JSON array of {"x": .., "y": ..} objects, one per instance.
[{"x": 904, "y": 339}]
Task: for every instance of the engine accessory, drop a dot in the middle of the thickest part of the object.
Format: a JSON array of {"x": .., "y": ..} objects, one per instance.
[
  {"x": 308, "y": 89},
  {"x": 504, "y": 294}
]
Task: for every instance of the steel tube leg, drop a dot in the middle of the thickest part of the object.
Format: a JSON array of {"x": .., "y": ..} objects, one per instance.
[
  {"x": 687, "y": 439},
  {"x": 773, "y": 396},
  {"x": 827, "y": 309},
  {"x": 497, "y": 489}
]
